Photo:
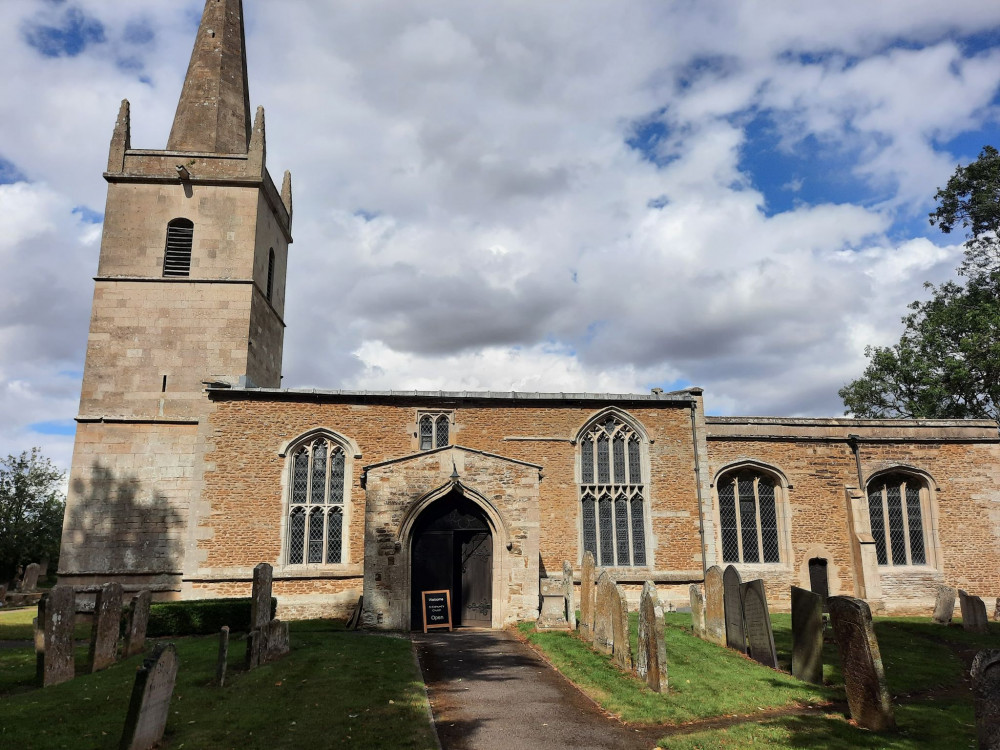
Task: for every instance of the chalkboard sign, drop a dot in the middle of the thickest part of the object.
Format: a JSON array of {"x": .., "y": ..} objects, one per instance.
[{"x": 437, "y": 609}]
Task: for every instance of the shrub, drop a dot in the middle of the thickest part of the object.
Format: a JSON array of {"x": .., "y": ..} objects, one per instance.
[{"x": 200, "y": 616}]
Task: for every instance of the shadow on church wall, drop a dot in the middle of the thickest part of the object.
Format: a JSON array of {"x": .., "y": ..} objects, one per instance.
[{"x": 119, "y": 524}]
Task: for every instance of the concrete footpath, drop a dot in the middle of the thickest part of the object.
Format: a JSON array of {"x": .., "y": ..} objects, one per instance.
[{"x": 489, "y": 691}]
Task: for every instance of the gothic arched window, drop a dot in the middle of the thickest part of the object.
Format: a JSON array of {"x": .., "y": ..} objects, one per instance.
[
  {"x": 612, "y": 493},
  {"x": 177, "y": 256},
  {"x": 433, "y": 430},
  {"x": 317, "y": 482},
  {"x": 896, "y": 509},
  {"x": 748, "y": 516}
]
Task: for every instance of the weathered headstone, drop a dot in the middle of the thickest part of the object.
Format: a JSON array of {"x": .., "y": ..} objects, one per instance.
[
  {"x": 553, "y": 611},
  {"x": 651, "y": 661},
  {"x": 986, "y": 697},
  {"x": 587, "y": 596},
  {"x": 3, "y": 594},
  {"x": 138, "y": 620},
  {"x": 861, "y": 663},
  {"x": 974, "y": 617},
  {"x": 355, "y": 619},
  {"x": 733, "y": 606},
  {"x": 622, "y": 646},
  {"x": 807, "y": 635},
  {"x": 58, "y": 614},
  {"x": 697, "y": 610},
  {"x": 30, "y": 581},
  {"x": 757, "y": 621},
  {"x": 606, "y": 601},
  {"x": 38, "y": 626},
  {"x": 260, "y": 603},
  {"x": 570, "y": 605},
  {"x": 150, "y": 703},
  {"x": 107, "y": 625},
  {"x": 222, "y": 661},
  {"x": 944, "y": 605},
  {"x": 715, "y": 610}
]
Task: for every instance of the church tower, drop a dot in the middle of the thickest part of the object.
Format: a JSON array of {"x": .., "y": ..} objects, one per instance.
[{"x": 190, "y": 289}]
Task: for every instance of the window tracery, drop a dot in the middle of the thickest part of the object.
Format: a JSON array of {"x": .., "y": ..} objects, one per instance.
[
  {"x": 316, "y": 503},
  {"x": 896, "y": 511}
]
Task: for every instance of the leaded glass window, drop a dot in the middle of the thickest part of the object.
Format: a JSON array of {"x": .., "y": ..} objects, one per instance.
[
  {"x": 434, "y": 430},
  {"x": 315, "y": 512},
  {"x": 610, "y": 470},
  {"x": 426, "y": 432},
  {"x": 748, "y": 517},
  {"x": 895, "y": 510}
]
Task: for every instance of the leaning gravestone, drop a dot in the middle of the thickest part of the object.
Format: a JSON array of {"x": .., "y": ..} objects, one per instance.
[
  {"x": 222, "y": 660},
  {"x": 355, "y": 619},
  {"x": 621, "y": 648},
  {"x": 757, "y": 621},
  {"x": 861, "y": 663},
  {"x": 986, "y": 696},
  {"x": 715, "y": 610},
  {"x": 150, "y": 703},
  {"x": 944, "y": 605},
  {"x": 733, "y": 606},
  {"x": 568, "y": 595},
  {"x": 807, "y": 635},
  {"x": 107, "y": 625},
  {"x": 59, "y": 612},
  {"x": 267, "y": 639},
  {"x": 651, "y": 661},
  {"x": 30, "y": 581},
  {"x": 587, "y": 596},
  {"x": 138, "y": 620},
  {"x": 697, "y": 610},
  {"x": 973, "y": 613},
  {"x": 606, "y": 602}
]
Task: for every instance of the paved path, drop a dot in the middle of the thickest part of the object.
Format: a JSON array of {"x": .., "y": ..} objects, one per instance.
[{"x": 490, "y": 691}]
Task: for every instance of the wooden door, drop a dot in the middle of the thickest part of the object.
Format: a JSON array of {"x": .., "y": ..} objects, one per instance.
[{"x": 476, "y": 549}]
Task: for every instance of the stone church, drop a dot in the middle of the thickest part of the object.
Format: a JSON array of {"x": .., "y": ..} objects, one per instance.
[{"x": 192, "y": 464}]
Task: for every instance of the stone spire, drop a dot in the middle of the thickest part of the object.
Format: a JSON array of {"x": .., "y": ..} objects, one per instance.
[{"x": 213, "y": 114}]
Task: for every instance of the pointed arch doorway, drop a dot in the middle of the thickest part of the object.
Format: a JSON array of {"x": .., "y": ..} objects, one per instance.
[{"x": 452, "y": 548}]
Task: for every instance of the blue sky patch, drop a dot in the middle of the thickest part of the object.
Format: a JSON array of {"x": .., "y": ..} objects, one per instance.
[
  {"x": 72, "y": 36},
  {"x": 9, "y": 173},
  {"x": 362, "y": 213},
  {"x": 87, "y": 216},
  {"x": 55, "y": 427},
  {"x": 139, "y": 32}
]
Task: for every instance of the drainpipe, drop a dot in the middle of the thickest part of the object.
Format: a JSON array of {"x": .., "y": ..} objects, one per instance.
[
  {"x": 852, "y": 440},
  {"x": 697, "y": 484}
]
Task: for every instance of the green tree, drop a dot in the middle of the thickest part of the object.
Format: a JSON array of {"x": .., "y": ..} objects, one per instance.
[
  {"x": 947, "y": 362},
  {"x": 32, "y": 504}
]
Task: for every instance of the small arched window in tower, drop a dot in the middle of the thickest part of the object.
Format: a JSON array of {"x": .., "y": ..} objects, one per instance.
[
  {"x": 177, "y": 257},
  {"x": 270, "y": 273}
]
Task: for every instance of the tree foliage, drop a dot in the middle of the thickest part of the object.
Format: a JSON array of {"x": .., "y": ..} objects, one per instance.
[
  {"x": 947, "y": 362},
  {"x": 32, "y": 504}
]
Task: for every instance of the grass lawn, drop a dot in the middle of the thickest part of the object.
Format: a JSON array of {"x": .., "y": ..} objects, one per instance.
[
  {"x": 335, "y": 688},
  {"x": 926, "y": 667},
  {"x": 15, "y": 625}
]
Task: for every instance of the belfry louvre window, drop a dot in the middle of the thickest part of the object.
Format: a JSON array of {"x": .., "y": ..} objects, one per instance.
[
  {"x": 316, "y": 507},
  {"x": 896, "y": 514},
  {"x": 433, "y": 431},
  {"x": 270, "y": 273},
  {"x": 612, "y": 494},
  {"x": 177, "y": 257},
  {"x": 748, "y": 518}
]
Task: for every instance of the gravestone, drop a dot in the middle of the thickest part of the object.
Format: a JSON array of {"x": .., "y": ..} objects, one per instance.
[
  {"x": 355, "y": 619},
  {"x": 568, "y": 595},
  {"x": 715, "y": 610},
  {"x": 807, "y": 635},
  {"x": 944, "y": 605},
  {"x": 222, "y": 661},
  {"x": 587, "y": 596},
  {"x": 38, "y": 628},
  {"x": 733, "y": 606},
  {"x": 757, "y": 621},
  {"x": 973, "y": 613},
  {"x": 622, "y": 647},
  {"x": 553, "y": 611},
  {"x": 996, "y": 610},
  {"x": 30, "y": 581},
  {"x": 138, "y": 620},
  {"x": 267, "y": 639},
  {"x": 260, "y": 603},
  {"x": 651, "y": 661},
  {"x": 986, "y": 697},
  {"x": 3, "y": 594},
  {"x": 150, "y": 704},
  {"x": 861, "y": 663},
  {"x": 107, "y": 625},
  {"x": 58, "y": 614},
  {"x": 697, "y": 610},
  {"x": 605, "y": 603}
]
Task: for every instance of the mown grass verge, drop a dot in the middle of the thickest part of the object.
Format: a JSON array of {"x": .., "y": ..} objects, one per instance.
[{"x": 334, "y": 688}]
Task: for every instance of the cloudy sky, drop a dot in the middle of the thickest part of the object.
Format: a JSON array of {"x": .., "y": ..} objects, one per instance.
[{"x": 557, "y": 196}]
